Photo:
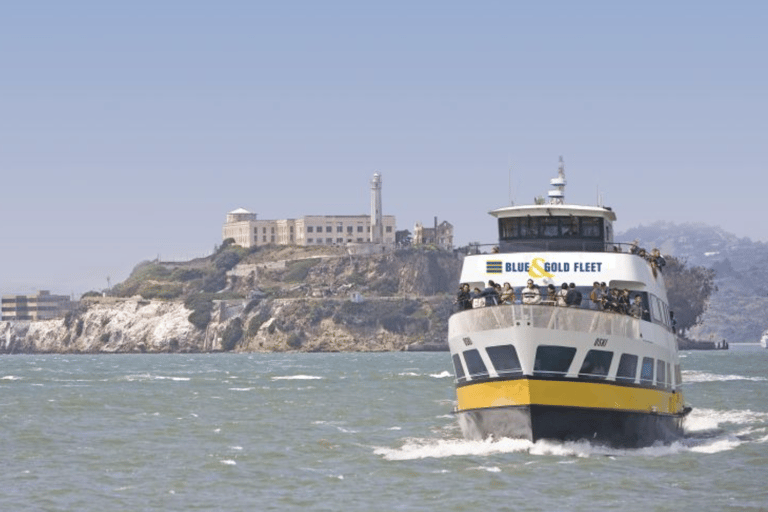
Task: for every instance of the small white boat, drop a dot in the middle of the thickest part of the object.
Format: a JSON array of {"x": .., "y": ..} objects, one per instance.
[{"x": 764, "y": 340}]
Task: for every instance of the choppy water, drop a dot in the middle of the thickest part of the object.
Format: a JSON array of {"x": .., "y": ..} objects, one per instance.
[{"x": 346, "y": 432}]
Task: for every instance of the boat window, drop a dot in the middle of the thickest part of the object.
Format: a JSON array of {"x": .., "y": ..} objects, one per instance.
[
  {"x": 549, "y": 227},
  {"x": 678, "y": 375},
  {"x": 596, "y": 364},
  {"x": 553, "y": 360},
  {"x": 627, "y": 368},
  {"x": 509, "y": 228},
  {"x": 660, "y": 375},
  {"x": 655, "y": 307},
  {"x": 591, "y": 227},
  {"x": 646, "y": 372},
  {"x": 460, "y": 377},
  {"x": 505, "y": 360},
  {"x": 669, "y": 377},
  {"x": 569, "y": 226},
  {"x": 533, "y": 227},
  {"x": 475, "y": 365}
]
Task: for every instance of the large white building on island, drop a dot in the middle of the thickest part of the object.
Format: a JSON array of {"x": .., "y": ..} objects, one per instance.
[{"x": 248, "y": 231}]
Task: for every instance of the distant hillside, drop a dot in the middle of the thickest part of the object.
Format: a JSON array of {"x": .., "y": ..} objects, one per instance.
[{"x": 737, "y": 309}]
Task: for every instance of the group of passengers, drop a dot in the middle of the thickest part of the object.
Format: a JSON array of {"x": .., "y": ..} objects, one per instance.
[
  {"x": 654, "y": 258},
  {"x": 601, "y": 297}
]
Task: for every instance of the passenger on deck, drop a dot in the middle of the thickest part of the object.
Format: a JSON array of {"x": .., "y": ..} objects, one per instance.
[
  {"x": 657, "y": 260},
  {"x": 610, "y": 301},
  {"x": 560, "y": 295},
  {"x": 633, "y": 247},
  {"x": 623, "y": 302},
  {"x": 464, "y": 299},
  {"x": 604, "y": 292},
  {"x": 573, "y": 297},
  {"x": 636, "y": 309},
  {"x": 507, "y": 294},
  {"x": 490, "y": 294},
  {"x": 551, "y": 293},
  {"x": 594, "y": 296},
  {"x": 531, "y": 293}
]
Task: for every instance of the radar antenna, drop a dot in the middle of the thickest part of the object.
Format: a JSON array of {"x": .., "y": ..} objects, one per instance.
[{"x": 557, "y": 196}]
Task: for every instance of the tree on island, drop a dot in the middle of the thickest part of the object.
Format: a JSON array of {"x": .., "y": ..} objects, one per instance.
[{"x": 688, "y": 290}]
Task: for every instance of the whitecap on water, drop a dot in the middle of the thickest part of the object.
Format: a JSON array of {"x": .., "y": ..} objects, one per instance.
[
  {"x": 297, "y": 377},
  {"x": 10, "y": 377},
  {"x": 442, "y": 375},
  {"x": 702, "y": 420},
  {"x": 692, "y": 377}
]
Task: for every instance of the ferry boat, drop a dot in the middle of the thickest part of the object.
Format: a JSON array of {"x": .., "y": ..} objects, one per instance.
[
  {"x": 530, "y": 369},
  {"x": 764, "y": 339}
]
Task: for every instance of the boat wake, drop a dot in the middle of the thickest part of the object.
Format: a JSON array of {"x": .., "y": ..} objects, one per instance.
[{"x": 707, "y": 431}]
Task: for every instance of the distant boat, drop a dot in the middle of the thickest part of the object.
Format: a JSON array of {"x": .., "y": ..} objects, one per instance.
[{"x": 764, "y": 340}]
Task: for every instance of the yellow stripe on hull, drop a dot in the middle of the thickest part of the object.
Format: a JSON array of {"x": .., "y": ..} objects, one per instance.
[{"x": 568, "y": 393}]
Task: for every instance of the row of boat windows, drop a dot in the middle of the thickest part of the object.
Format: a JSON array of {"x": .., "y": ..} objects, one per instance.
[
  {"x": 550, "y": 227},
  {"x": 552, "y": 360}
]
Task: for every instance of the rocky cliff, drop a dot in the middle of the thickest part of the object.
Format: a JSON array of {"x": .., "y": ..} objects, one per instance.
[{"x": 269, "y": 300}]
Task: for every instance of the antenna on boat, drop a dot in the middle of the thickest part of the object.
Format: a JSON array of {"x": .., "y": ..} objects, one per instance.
[
  {"x": 511, "y": 201},
  {"x": 557, "y": 196}
]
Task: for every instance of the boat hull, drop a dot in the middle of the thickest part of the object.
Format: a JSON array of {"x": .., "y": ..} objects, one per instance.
[{"x": 620, "y": 429}]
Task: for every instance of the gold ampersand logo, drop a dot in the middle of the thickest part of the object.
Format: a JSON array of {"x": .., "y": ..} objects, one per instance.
[{"x": 536, "y": 270}]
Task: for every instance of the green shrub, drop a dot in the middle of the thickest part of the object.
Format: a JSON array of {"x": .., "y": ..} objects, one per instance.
[
  {"x": 186, "y": 274},
  {"x": 297, "y": 270},
  {"x": 255, "y": 323},
  {"x": 295, "y": 339},
  {"x": 160, "y": 290},
  {"x": 214, "y": 282},
  {"x": 232, "y": 334},
  {"x": 201, "y": 310}
]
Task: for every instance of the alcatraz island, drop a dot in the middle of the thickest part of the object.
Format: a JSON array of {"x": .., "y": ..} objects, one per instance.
[{"x": 313, "y": 284}]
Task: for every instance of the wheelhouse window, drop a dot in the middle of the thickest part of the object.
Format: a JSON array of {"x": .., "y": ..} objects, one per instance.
[
  {"x": 591, "y": 227},
  {"x": 514, "y": 228},
  {"x": 460, "y": 377},
  {"x": 627, "y": 368},
  {"x": 596, "y": 364},
  {"x": 646, "y": 372},
  {"x": 505, "y": 361},
  {"x": 475, "y": 365},
  {"x": 553, "y": 360}
]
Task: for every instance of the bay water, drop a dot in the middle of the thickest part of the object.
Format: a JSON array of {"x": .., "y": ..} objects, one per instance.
[{"x": 347, "y": 432}]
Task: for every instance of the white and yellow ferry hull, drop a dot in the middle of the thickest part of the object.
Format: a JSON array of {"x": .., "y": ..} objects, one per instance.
[{"x": 565, "y": 407}]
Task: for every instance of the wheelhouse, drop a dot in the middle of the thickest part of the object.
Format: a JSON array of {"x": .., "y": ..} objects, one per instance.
[{"x": 555, "y": 228}]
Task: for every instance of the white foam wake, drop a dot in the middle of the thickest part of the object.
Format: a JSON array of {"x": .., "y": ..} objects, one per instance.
[{"x": 690, "y": 377}]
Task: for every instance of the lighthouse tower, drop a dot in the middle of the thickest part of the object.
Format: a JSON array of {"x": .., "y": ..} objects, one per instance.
[
  {"x": 377, "y": 226},
  {"x": 557, "y": 196}
]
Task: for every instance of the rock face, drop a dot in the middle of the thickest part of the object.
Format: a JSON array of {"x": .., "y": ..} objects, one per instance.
[
  {"x": 132, "y": 325},
  {"x": 391, "y": 302}
]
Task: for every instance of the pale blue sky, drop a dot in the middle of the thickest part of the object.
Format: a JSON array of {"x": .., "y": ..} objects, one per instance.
[{"x": 129, "y": 129}]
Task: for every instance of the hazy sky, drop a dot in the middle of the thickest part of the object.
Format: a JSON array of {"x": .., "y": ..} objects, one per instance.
[{"x": 129, "y": 129}]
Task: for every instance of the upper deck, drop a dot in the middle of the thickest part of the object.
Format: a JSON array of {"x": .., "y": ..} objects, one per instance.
[{"x": 555, "y": 227}]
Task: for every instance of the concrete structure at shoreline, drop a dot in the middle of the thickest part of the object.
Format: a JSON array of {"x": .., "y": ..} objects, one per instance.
[
  {"x": 376, "y": 229},
  {"x": 39, "y": 306}
]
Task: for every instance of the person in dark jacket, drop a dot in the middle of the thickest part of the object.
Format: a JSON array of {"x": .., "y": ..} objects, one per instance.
[
  {"x": 464, "y": 299},
  {"x": 573, "y": 296}
]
